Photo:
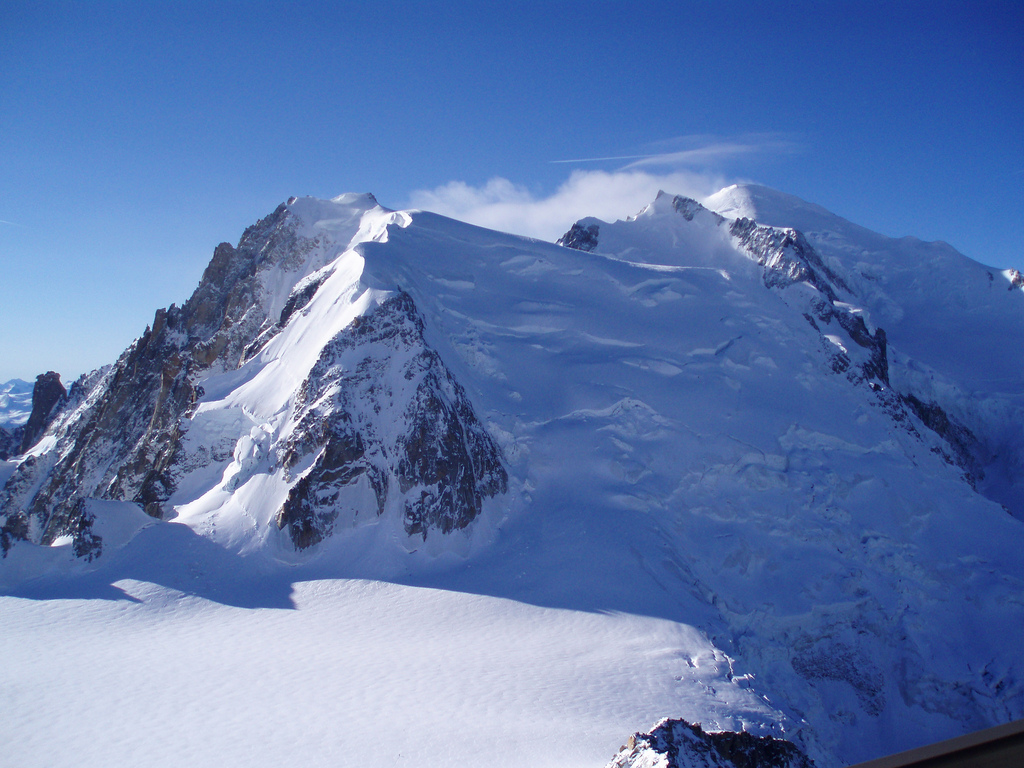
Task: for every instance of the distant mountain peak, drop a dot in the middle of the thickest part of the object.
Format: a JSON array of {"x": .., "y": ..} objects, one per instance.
[{"x": 15, "y": 402}]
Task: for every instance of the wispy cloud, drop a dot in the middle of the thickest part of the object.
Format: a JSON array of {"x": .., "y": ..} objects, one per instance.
[
  {"x": 9, "y": 223},
  {"x": 687, "y": 165},
  {"x": 609, "y": 195},
  {"x": 702, "y": 151},
  {"x": 603, "y": 159}
]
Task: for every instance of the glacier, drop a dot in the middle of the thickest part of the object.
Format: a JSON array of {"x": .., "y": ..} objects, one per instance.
[{"x": 505, "y": 501}]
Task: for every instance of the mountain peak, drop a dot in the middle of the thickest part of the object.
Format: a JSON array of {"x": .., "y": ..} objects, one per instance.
[
  {"x": 665, "y": 203},
  {"x": 767, "y": 206},
  {"x": 356, "y": 199}
]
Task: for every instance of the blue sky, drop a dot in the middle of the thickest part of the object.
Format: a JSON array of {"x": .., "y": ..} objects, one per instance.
[{"x": 136, "y": 136}]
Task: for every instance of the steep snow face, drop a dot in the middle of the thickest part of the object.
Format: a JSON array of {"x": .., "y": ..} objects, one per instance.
[
  {"x": 951, "y": 323},
  {"x": 686, "y": 418}
]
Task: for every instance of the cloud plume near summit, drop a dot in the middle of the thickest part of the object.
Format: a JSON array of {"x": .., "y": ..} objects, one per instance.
[{"x": 609, "y": 195}]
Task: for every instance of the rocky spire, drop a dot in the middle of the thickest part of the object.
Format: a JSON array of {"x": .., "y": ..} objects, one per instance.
[{"x": 47, "y": 394}]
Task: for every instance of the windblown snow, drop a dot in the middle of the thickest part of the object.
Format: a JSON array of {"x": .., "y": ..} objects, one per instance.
[{"x": 757, "y": 478}]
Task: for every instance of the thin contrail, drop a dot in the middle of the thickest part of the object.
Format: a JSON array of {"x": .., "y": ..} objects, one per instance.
[{"x": 601, "y": 159}]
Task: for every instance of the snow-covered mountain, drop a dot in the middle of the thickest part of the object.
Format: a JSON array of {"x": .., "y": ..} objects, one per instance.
[{"x": 746, "y": 464}]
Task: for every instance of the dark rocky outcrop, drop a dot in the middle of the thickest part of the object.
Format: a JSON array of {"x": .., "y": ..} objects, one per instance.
[
  {"x": 385, "y": 419},
  {"x": 301, "y": 296},
  {"x": 964, "y": 446},
  {"x": 47, "y": 395},
  {"x": 579, "y": 237},
  {"x": 679, "y": 744},
  {"x": 873, "y": 361},
  {"x": 13, "y": 527},
  {"x": 687, "y": 207},
  {"x": 787, "y": 257}
]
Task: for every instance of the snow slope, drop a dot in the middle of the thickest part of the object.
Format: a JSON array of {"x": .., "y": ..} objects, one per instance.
[
  {"x": 718, "y": 507},
  {"x": 954, "y": 325}
]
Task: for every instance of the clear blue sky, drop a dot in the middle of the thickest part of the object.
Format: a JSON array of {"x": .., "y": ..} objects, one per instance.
[{"x": 136, "y": 136}]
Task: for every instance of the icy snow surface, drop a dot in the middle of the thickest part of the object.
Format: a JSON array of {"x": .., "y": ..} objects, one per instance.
[{"x": 705, "y": 521}]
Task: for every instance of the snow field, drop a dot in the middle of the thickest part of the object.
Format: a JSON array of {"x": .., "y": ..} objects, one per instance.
[{"x": 358, "y": 673}]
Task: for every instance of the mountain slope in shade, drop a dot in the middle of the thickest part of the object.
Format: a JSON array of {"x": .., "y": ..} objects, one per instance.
[{"x": 683, "y": 418}]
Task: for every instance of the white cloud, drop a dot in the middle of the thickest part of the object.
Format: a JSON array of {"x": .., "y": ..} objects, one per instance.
[{"x": 500, "y": 204}]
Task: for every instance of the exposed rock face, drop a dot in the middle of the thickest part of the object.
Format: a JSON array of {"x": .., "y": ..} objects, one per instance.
[
  {"x": 581, "y": 238},
  {"x": 964, "y": 446},
  {"x": 378, "y": 420},
  {"x": 787, "y": 257},
  {"x": 119, "y": 430},
  {"x": 47, "y": 394},
  {"x": 678, "y": 744},
  {"x": 688, "y": 207},
  {"x": 385, "y": 418}
]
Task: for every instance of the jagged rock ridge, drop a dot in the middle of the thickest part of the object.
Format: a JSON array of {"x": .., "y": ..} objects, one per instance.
[
  {"x": 679, "y": 744},
  {"x": 120, "y": 431},
  {"x": 10, "y": 441},
  {"x": 121, "y": 428},
  {"x": 379, "y": 373}
]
